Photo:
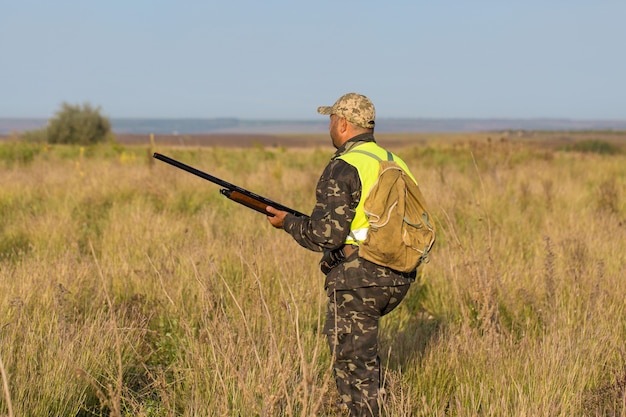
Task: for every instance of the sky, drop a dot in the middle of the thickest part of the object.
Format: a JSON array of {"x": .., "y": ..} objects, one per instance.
[{"x": 281, "y": 59}]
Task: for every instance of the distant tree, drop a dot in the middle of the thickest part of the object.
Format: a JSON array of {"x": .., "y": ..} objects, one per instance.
[{"x": 75, "y": 124}]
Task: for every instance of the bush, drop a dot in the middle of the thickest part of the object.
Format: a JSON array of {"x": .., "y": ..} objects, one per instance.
[
  {"x": 14, "y": 152},
  {"x": 35, "y": 136},
  {"x": 74, "y": 124},
  {"x": 594, "y": 146}
]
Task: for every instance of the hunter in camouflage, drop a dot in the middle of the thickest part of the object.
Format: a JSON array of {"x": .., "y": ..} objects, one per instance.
[{"x": 359, "y": 292}]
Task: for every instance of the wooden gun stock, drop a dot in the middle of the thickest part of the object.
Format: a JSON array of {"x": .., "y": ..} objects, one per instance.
[{"x": 247, "y": 201}]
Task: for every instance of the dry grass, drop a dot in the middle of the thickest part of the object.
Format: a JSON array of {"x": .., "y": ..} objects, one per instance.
[{"x": 130, "y": 288}]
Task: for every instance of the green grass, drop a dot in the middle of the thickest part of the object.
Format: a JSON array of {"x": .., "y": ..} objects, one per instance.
[
  {"x": 594, "y": 146},
  {"x": 128, "y": 287}
]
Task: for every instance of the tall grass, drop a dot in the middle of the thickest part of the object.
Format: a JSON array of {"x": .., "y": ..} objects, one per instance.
[{"x": 128, "y": 287}]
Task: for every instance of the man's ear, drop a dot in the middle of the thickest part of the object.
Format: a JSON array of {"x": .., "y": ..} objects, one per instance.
[{"x": 343, "y": 125}]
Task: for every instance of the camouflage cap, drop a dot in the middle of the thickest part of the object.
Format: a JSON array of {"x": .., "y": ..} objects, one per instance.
[{"x": 355, "y": 108}]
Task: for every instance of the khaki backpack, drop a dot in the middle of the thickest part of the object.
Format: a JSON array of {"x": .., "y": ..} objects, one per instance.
[{"x": 401, "y": 230}]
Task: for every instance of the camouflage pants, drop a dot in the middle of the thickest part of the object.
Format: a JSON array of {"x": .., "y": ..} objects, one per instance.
[{"x": 351, "y": 326}]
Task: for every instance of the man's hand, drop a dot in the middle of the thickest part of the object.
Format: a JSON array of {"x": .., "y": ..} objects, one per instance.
[{"x": 278, "y": 218}]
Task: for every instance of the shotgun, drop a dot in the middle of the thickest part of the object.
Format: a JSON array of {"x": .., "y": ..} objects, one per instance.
[{"x": 231, "y": 191}]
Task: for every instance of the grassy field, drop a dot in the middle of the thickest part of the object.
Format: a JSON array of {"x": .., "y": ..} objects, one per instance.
[{"x": 130, "y": 288}]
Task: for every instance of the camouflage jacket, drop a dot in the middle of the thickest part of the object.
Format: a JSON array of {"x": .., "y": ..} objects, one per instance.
[{"x": 338, "y": 193}]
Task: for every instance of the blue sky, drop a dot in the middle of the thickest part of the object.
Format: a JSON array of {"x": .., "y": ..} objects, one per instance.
[{"x": 280, "y": 59}]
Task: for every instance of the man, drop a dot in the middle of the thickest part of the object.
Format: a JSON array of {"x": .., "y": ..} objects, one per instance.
[{"x": 359, "y": 291}]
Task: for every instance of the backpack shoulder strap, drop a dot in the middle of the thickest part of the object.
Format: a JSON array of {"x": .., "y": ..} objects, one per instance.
[{"x": 389, "y": 154}]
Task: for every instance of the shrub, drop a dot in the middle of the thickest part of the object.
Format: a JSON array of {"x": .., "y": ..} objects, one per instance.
[
  {"x": 82, "y": 125},
  {"x": 13, "y": 152},
  {"x": 35, "y": 136},
  {"x": 594, "y": 146}
]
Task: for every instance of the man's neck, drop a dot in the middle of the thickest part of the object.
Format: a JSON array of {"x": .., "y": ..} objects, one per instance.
[{"x": 354, "y": 141}]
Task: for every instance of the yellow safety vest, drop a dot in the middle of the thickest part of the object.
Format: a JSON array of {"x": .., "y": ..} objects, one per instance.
[{"x": 367, "y": 167}]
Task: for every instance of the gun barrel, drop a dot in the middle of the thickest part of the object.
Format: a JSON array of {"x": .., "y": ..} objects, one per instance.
[
  {"x": 231, "y": 191},
  {"x": 194, "y": 171}
]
